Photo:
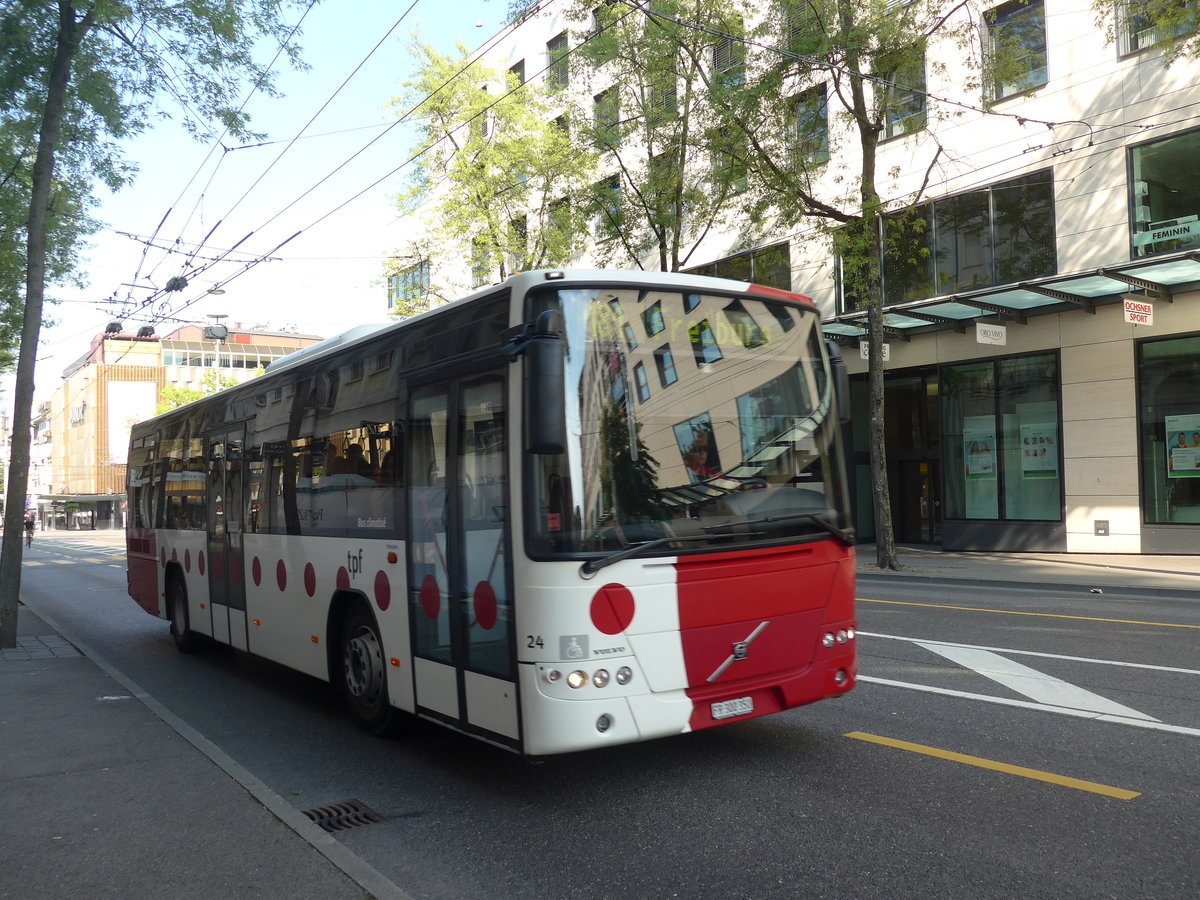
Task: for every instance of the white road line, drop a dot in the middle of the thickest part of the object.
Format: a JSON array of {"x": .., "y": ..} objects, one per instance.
[
  {"x": 1011, "y": 652},
  {"x": 1033, "y": 684},
  {"x": 1028, "y": 704}
]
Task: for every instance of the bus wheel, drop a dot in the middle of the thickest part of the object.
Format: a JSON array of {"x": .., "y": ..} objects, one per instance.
[
  {"x": 186, "y": 640},
  {"x": 364, "y": 673}
]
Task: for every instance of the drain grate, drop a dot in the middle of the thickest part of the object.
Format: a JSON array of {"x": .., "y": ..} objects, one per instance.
[{"x": 344, "y": 815}]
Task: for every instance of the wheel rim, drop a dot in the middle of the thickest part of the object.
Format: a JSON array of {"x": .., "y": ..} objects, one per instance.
[{"x": 364, "y": 666}]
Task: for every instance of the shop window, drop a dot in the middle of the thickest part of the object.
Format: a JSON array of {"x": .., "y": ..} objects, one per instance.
[
  {"x": 1166, "y": 195},
  {"x": 1002, "y": 452},
  {"x": 998, "y": 235},
  {"x": 769, "y": 266},
  {"x": 1016, "y": 48},
  {"x": 1168, "y": 374}
]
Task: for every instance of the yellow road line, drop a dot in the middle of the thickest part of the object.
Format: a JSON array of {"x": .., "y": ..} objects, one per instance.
[
  {"x": 1011, "y": 612},
  {"x": 1050, "y": 777}
]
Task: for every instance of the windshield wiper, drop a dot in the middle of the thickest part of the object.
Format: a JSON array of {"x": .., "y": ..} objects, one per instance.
[
  {"x": 845, "y": 537},
  {"x": 592, "y": 566}
]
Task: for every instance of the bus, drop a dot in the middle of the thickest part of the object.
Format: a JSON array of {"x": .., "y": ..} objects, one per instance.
[{"x": 574, "y": 509}]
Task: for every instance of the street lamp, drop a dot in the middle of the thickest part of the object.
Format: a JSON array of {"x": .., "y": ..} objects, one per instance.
[{"x": 217, "y": 332}]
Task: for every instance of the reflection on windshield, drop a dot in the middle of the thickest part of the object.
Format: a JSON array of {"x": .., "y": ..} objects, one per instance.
[{"x": 687, "y": 411}]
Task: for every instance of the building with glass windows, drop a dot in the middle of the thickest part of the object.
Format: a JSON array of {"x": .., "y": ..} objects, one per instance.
[
  {"x": 1043, "y": 324},
  {"x": 82, "y": 437}
]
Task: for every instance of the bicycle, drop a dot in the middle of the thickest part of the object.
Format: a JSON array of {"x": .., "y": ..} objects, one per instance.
[{"x": 28, "y": 538}]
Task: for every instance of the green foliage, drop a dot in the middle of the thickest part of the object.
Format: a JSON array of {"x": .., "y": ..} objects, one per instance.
[
  {"x": 659, "y": 194},
  {"x": 501, "y": 176},
  {"x": 174, "y": 396},
  {"x": 1171, "y": 26}
]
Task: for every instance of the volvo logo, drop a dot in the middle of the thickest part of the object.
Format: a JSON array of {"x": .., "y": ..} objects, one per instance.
[{"x": 740, "y": 650}]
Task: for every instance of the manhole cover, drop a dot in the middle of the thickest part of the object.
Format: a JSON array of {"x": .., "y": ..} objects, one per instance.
[{"x": 344, "y": 815}]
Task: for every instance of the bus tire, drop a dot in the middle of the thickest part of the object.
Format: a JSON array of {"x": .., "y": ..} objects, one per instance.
[
  {"x": 363, "y": 673},
  {"x": 186, "y": 640}
]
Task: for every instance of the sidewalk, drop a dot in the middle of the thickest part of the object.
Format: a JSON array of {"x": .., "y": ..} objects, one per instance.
[
  {"x": 103, "y": 793},
  {"x": 1062, "y": 572}
]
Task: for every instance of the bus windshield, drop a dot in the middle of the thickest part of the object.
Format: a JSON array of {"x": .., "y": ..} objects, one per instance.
[{"x": 694, "y": 421}]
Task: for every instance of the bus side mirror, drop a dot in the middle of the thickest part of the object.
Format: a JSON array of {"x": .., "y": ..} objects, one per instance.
[
  {"x": 841, "y": 381},
  {"x": 545, "y": 386}
]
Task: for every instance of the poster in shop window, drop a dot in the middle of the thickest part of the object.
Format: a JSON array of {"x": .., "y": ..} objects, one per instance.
[
  {"x": 1039, "y": 451},
  {"x": 1183, "y": 446},
  {"x": 979, "y": 445}
]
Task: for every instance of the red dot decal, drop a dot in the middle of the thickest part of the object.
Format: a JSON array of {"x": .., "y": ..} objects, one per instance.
[
  {"x": 486, "y": 606},
  {"x": 343, "y": 577},
  {"x": 383, "y": 591},
  {"x": 612, "y": 608},
  {"x": 187, "y": 560},
  {"x": 431, "y": 597},
  {"x": 310, "y": 579},
  {"x": 200, "y": 562},
  {"x": 256, "y": 571},
  {"x": 281, "y": 575}
]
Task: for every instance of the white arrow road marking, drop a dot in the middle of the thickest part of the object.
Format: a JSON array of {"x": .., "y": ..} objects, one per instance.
[{"x": 1032, "y": 683}]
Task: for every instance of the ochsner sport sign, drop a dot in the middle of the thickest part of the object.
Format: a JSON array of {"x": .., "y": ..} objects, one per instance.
[{"x": 1138, "y": 312}]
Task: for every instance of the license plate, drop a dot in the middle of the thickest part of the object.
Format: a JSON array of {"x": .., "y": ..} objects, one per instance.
[{"x": 727, "y": 709}]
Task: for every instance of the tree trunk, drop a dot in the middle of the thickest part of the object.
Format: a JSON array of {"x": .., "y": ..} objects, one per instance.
[
  {"x": 881, "y": 495},
  {"x": 69, "y": 33}
]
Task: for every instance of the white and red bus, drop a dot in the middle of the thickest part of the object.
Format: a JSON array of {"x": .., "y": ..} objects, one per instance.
[{"x": 576, "y": 509}]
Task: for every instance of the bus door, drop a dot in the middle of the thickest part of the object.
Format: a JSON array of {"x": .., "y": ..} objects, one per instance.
[
  {"x": 460, "y": 600},
  {"x": 226, "y": 507}
]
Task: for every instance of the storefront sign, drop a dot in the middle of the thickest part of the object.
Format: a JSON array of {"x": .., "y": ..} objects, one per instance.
[
  {"x": 1139, "y": 312},
  {"x": 991, "y": 334},
  {"x": 864, "y": 351}
]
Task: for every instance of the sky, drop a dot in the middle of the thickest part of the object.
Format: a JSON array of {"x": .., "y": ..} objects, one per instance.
[{"x": 326, "y": 279}]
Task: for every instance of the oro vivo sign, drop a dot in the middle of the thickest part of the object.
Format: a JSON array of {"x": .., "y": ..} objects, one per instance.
[{"x": 1139, "y": 312}]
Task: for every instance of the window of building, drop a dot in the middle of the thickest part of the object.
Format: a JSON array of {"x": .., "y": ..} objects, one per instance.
[
  {"x": 606, "y": 111},
  {"x": 1142, "y": 24},
  {"x": 729, "y": 58},
  {"x": 643, "y": 385},
  {"x": 744, "y": 327},
  {"x": 517, "y": 71},
  {"x": 409, "y": 284},
  {"x": 704, "y": 343},
  {"x": 518, "y": 243},
  {"x": 811, "y": 112},
  {"x": 999, "y": 235},
  {"x": 652, "y": 318},
  {"x": 769, "y": 266},
  {"x": 665, "y": 363},
  {"x": 1165, "y": 179},
  {"x": 1168, "y": 375},
  {"x": 904, "y": 97},
  {"x": 1016, "y": 48},
  {"x": 558, "y": 73},
  {"x": 730, "y": 162},
  {"x": 481, "y": 265},
  {"x": 1001, "y": 448},
  {"x": 664, "y": 98},
  {"x": 803, "y": 32},
  {"x": 607, "y": 205},
  {"x": 630, "y": 340}
]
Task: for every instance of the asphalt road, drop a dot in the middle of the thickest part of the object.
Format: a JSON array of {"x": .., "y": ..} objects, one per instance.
[{"x": 1001, "y": 743}]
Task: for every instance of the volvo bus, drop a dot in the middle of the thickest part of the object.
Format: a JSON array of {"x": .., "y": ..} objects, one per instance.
[{"x": 575, "y": 509}]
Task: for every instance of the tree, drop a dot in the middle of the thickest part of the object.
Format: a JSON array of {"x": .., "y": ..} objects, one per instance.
[
  {"x": 173, "y": 396},
  {"x": 860, "y": 65},
  {"x": 660, "y": 195},
  {"x": 75, "y": 78},
  {"x": 499, "y": 176}
]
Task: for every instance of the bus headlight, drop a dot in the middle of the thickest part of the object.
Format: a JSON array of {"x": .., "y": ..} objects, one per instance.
[
  {"x": 624, "y": 675},
  {"x": 600, "y": 677},
  {"x": 553, "y": 675},
  {"x": 577, "y": 679},
  {"x": 828, "y": 640}
]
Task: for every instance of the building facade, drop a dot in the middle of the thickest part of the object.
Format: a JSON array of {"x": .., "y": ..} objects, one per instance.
[
  {"x": 78, "y": 477},
  {"x": 1043, "y": 356}
]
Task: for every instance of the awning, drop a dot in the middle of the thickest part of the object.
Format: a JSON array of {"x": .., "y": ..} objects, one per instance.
[{"x": 1157, "y": 279}]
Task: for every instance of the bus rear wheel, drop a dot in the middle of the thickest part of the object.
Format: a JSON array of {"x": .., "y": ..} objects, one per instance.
[
  {"x": 364, "y": 674},
  {"x": 186, "y": 640}
]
